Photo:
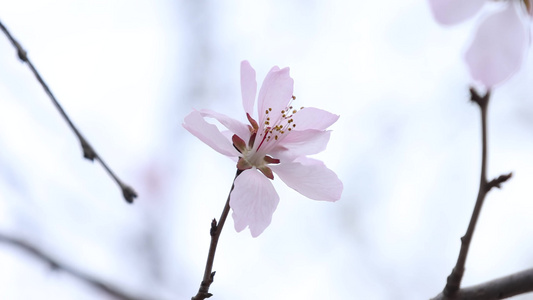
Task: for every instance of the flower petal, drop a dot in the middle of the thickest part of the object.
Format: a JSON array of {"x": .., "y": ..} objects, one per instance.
[
  {"x": 253, "y": 201},
  {"x": 301, "y": 143},
  {"x": 209, "y": 134},
  {"x": 275, "y": 93},
  {"x": 311, "y": 178},
  {"x": 448, "y": 12},
  {"x": 313, "y": 118},
  {"x": 248, "y": 86},
  {"x": 498, "y": 48},
  {"x": 233, "y": 125}
]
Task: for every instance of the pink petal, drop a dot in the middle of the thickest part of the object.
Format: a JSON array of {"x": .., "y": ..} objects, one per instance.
[
  {"x": 253, "y": 201},
  {"x": 449, "y": 12},
  {"x": 275, "y": 93},
  {"x": 233, "y": 125},
  {"x": 301, "y": 143},
  {"x": 311, "y": 178},
  {"x": 209, "y": 134},
  {"x": 313, "y": 118},
  {"x": 498, "y": 48},
  {"x": 248, "y": 87}
]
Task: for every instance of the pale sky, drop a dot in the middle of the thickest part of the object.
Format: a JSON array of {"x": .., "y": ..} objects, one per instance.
[{"x": 406, "y": 146}]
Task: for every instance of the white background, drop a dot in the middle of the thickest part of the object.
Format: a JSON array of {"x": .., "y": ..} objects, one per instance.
[{"x": 407, "y": 147}]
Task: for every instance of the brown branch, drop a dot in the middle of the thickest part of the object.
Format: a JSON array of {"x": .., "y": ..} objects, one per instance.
[
  {"x": 496, "y": 182},
  {"x": 88, "y": 151},
  {"x": 57, "y": 265},
  {"x": 215, "y": 231},
  {"x": 453, "y": 282},
  {"x": 501, "y": 288}
]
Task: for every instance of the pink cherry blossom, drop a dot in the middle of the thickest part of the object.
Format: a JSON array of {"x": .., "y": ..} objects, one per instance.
[
  {"x": 499, "y": 46},
  {"x": 277, "y": 140}
]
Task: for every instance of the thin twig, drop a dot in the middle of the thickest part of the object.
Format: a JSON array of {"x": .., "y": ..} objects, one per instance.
[
  {"x": 453, "y": 283},
  {"x": 57, "y": 265},
  {"x": 88, "y": 151},
  {"x": 501, "y": 288},
  {"x": 215, "y": 231}
]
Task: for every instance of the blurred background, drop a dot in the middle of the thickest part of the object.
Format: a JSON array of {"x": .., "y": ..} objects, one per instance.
[{"x": 407, "y": 147}]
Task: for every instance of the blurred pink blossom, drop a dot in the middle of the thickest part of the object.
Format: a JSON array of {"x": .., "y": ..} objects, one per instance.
[
  {"x": 501, "y": 41},
  {"x": 278, "y": 142}
]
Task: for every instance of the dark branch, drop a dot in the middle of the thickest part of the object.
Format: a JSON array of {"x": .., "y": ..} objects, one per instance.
[
  {"x": 57, "y": 265},
  {"x": 88, "y": 151},
  {"x": 215, "y": 231},
  {"x": 496, "y": 182},
  {"x": 453, "y": 282},
  {"x": 478, "y": 99},
  {"x": 501, "y": 288}
]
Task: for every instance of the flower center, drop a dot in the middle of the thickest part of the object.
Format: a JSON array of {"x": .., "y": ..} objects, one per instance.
[{"x": 274, "y": 129}]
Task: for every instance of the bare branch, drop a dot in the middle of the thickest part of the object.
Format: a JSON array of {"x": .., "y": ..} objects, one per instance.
[
  {"x": 57, "y": 265},
  {"x": 501, "y": 288},
  {"x": 88, "y": 151},
  {"x": 215, "y": 231},
  {"x": 453, "y": 282}
]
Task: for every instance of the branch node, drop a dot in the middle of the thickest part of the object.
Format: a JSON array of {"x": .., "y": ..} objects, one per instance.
[
  {"x": 453, "y": 282},
  {"x": 214, "y": 226},
  {"x": 22, "y": 54},
  {"x": 128, "y": 193},
  {"x": 496, "y": 182},
  {"x": 478, "y": 99},
  {"x": 88, "y": 151}
]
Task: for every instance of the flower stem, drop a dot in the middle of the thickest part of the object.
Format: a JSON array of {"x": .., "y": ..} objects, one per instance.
[
  {"x": 453, "y": 283},
  {"x": 216, "y": 230}
]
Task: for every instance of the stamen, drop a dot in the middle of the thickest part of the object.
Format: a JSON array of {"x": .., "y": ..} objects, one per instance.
[
  {"x": 264, "y": 137},
  {"x": 274, "y": 129}
]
